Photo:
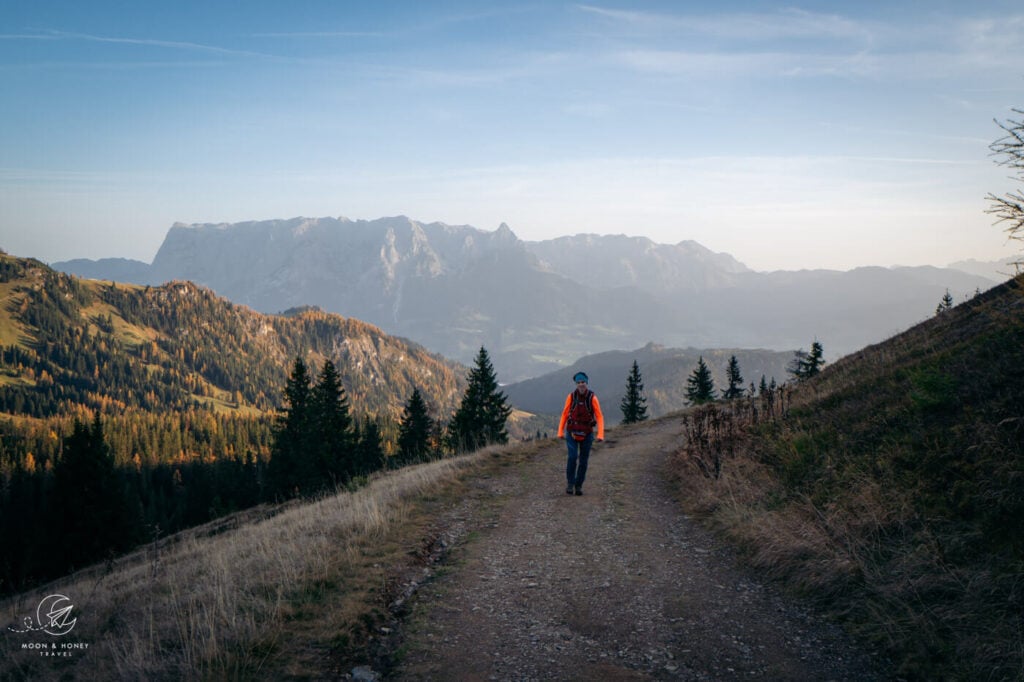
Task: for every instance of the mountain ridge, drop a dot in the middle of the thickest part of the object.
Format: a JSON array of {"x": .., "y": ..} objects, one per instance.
[
  {"x": 537, "y": 306},
  {"x": 204, "y": 348}
]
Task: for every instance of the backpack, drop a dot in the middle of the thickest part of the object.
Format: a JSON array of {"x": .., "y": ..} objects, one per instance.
[{"x": 581, "y": 421}]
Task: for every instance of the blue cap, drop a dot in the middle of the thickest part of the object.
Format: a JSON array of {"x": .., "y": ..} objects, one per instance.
[{"x": 581, "y": 376}]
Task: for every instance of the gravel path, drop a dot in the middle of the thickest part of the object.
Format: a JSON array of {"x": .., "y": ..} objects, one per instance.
[{"x": 615, "y": 585}]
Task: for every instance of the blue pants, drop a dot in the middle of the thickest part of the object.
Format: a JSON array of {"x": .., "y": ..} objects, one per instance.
[{"x": 579, "y": 455}]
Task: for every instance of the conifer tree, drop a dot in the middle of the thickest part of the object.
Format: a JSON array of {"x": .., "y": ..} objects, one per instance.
[
  {"x": 288, "y": 468},
  {"x": 414, "y": 431},
  {"x": 370, "y": 450},
  {"x": 945, "y": 304},
  {"x": 1009, "y": 151},
  {"x": 90, "y": 514},
  {"x": 331, "y": 437},
  {"x": 634, "y": 404},
  {"x": 735, "y": 379},
  {"x": 700, "y": 388},
  {"x": 480, "y": 419},
  {"x": 806, "y": 365}
]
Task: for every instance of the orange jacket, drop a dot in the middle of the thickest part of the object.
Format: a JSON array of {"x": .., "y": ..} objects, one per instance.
[{"x": 597, "y": 416}]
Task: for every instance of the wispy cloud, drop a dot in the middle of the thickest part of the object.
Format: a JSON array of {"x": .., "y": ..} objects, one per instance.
[
  {"x": 323, "y": 34},
  {"x": 142, "y": 42},
  {"x": 783, "y": 24},
  {"x": 719, "y": 65}
]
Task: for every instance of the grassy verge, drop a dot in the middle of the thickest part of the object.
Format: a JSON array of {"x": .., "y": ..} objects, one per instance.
[
  {"x": 304, "y": 590},
  {"x": 891, "y": 488}
]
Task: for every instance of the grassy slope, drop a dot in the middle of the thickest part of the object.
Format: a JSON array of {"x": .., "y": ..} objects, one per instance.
[
  {"x": 272, "y": 593},
  {"x": 894, "y": 491}
]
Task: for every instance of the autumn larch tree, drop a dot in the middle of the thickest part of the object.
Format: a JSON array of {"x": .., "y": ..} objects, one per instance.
[{"x": 1009, "y": 152}]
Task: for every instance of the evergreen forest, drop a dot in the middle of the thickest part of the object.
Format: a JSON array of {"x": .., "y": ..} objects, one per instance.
[{"x": 169, "y": 404}]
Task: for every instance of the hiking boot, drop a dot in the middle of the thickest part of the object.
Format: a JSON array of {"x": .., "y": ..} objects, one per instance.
[
  {"x": 579, "y": 490},
  {"x": 568, "y": 490}
]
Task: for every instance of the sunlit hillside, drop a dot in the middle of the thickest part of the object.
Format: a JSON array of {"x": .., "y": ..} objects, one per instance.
[{"x": 71, "y": 346}]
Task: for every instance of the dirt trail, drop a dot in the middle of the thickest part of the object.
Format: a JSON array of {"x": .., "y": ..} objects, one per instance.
[{"x": 615, "y": 585}]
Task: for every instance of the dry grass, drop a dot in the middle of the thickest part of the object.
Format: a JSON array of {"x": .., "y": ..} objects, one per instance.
[
  {"x": 889, "y": 488},
  {"x": 243, "y": 603}
]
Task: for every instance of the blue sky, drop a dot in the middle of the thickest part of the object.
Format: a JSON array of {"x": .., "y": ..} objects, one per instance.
[{"x": 791, "y": 135}]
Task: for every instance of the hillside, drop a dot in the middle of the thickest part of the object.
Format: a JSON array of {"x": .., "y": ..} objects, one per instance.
[
  {"x": 886, "y": 490},
  {"x": 458, "y": 569},
  {"x": 892, "y": 489},
  {"x": 69, "y": 344},
  {"x": 182, "y": 393}
]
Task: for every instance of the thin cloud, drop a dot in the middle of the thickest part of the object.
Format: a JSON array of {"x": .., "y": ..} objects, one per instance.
[
  {"x": 323, "y": 34},
  {"x": 717, "y": 65},
  {"x": 151, "y": 42},
  {"x": 784, "y": 24}
]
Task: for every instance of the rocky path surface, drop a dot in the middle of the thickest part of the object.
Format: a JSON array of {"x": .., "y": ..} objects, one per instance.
[{"x": 615, "y": 585}]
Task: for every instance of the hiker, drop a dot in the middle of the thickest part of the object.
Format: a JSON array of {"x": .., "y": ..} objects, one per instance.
[{"x": 582, "y": 412}]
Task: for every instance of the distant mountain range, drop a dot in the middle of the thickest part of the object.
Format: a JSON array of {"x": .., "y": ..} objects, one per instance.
[{"x": 537, "y": 306}]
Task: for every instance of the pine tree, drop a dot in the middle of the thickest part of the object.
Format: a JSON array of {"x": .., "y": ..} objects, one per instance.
[
  {"x": 945, "y": 304},
  {"x": 414, "y": 431},
  {"x": 732, "y": 375},
  {"x": 480, "y": 419},
  {"x": 331, "y": 439},
  {"x": 806, "y": 365},
  {"x": 699, "y": 387},
  {"x": 91, "y": 518},
  {"x": 287, "y": 467},
  {"x": 370, "y": 450},
  {"x": 634, "y": 404}
]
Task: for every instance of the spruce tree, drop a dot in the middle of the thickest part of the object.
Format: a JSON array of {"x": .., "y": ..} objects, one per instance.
[
  {"x": 370, "y": 450},
  {"x": 332, "y": 442},
  {"x": 480, "y": 419},
  {"x": 287, "y": 466},
  {"x": 414, "y": 431},
  {"x": 732, "y": 375},
  {"x": 806, "y": 365},
  {"x": 634, "y": 404},
  {"x": 945, "y": 304},
  {"x": 90, "y": 513},
  {"x": 700, "y": 388}
]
